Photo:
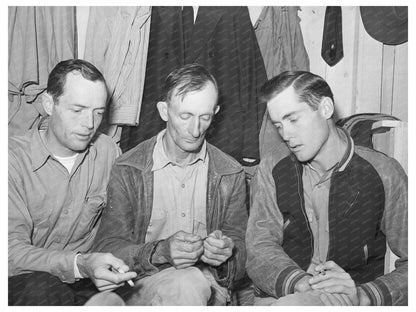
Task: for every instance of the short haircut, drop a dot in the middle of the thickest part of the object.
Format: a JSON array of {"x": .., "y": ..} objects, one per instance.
[
  {"x": 57, "y": 77},
  {"x": 310, "y": 88},
  {"x": 186, "y": 79}
]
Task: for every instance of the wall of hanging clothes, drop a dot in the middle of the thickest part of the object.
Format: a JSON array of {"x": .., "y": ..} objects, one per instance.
[{"x": 136, "y": 47}]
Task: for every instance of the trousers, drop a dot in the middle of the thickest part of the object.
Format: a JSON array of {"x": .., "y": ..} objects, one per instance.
[
  {"x": 310, "y": 298},
  {"x": 44, "y": 289},
  {"x": 191, "y": 286}
]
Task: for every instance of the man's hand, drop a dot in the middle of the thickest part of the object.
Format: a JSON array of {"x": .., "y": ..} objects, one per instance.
[
  {"x": 333, "y": 279},
  {"x": 181, "y": 250},
  {"x": 103, "y": 269},
  {"x": 335, "y": 299},
  {"x": 217, "y": 248},
  {"x": 303, "y": 285}
]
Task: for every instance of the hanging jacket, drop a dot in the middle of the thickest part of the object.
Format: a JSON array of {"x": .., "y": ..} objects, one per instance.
[
  {"x": 224, "y": 42},
  {"x": 281, "y": 44}
]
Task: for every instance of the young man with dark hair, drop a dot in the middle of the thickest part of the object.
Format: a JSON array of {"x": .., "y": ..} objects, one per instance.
[
  {"x": 321, "y": 216},
  {"x": 58, "y": 174},
  {"x": 176, "y": 204}
]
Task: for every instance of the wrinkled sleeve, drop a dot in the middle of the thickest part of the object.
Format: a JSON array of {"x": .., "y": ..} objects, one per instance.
[
  {"x": 23, "y": 256},
  {"x": 392, "y": 288},
  {"x": 116, "y": 233},
  {"x": 270, "y": 268}
]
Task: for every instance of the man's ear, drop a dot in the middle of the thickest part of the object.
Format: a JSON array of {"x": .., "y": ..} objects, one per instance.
[
  {"x": 162, "y": 107},
  {"x": 326, "y": 107},
  {"x": 47, "y": 103},
  {"x": 217, "y": 109}
]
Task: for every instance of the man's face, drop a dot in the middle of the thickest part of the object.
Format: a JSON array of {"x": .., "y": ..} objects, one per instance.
[
  {"x": 75, "y": 119},
  {"x": 304, "y": 130},
  {"x": 189, "y": 119}
]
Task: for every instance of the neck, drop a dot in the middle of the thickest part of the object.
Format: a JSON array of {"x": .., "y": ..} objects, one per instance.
[{"x": 331, "y": 152}]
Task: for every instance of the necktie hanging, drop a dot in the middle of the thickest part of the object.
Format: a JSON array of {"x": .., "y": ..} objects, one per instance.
[
  {"x": 332, "y": 47},
  {"x": 187, "y": 29}
]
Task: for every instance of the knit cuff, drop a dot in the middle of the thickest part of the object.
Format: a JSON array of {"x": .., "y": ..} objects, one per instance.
[
  {"x": 287, "y": 279},
  {"x": 378, "y": 293}
]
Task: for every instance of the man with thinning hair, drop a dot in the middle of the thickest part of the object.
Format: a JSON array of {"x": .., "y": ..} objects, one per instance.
[{"x": 176, "y": 209}]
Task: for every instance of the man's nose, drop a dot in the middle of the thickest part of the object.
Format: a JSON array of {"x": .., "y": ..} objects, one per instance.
[
  {"x": 194, "y": 128},
  {"x": 88, "y": 120},
  {"x": 285, "y": 133}
]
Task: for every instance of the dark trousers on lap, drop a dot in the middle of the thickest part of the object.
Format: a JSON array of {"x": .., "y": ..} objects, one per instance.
[{"x": 44, "y": 289}]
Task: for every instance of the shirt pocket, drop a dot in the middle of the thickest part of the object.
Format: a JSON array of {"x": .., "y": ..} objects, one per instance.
[{"x": 92, "y": 210}]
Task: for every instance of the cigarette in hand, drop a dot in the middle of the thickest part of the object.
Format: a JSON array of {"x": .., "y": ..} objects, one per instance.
[{"x": 130, "y": 282}]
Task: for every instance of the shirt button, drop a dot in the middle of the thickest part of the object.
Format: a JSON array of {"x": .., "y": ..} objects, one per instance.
[
  {"x": 66, "y": 212},
  {"x": 183, "y": 185},
  {"x": 183, "y": 214}
]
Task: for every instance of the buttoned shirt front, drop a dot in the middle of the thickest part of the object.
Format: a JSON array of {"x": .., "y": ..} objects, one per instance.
[
  {"x": 179, "y": 196},
  {"x": 54, "y": 213},
  {"x": 316, "y": 188}
]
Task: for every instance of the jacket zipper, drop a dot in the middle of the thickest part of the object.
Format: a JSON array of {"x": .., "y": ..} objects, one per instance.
[{"x": 304, "y": 211}]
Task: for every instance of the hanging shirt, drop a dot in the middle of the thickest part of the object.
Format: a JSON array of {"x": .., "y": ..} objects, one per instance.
[
  {"x": 179, "y": 196},
  {"x": 117, "y": 43},
  {"x": 39, "y": 38}
]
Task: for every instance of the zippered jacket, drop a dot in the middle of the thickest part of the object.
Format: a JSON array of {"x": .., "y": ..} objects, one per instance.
[
  {"x": 126, "y": 218},
  {"x": 367, "y": 206}
]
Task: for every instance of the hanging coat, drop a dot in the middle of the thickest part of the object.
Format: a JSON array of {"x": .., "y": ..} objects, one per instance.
[
  {"x": 281, "y": 44},
  {"x": 39, "y": 38},
  {"x": 224, "y": 42}
]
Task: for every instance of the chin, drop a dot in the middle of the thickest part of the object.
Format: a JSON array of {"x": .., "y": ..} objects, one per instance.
[
  {"x": 78, "y": 148},
  {"x": 302, "y": 158},
  {"x": 192, "y": 148}
]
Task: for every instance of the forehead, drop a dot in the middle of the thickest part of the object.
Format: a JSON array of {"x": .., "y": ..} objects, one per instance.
[
  {"x": 285, "y": 103},
  {"x": 78, "y": 90},
  {"x": 201, "y": 100}
]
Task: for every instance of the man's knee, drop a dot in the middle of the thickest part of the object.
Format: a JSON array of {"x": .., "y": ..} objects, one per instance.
[
  {"x": 192, "y": 279},
  {"x": 173, "y": 287}
]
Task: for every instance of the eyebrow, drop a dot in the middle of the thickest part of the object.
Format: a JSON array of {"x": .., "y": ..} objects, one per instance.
[
  {"x": 289, "y": 114},
  {"x": 83, "y": 106}
]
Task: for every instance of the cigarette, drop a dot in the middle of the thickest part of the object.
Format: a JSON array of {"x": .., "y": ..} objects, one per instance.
[{"x": 130, "y": 282}]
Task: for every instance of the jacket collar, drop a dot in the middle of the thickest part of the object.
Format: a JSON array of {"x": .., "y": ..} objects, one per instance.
[{"x": 346, "y": 158}]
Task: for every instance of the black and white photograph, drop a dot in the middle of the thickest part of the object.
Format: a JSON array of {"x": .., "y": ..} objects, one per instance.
[{"x": 219, "y": 154}]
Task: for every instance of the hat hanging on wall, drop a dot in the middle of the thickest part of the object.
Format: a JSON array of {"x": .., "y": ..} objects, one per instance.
[{"x": 387, "y": 24}]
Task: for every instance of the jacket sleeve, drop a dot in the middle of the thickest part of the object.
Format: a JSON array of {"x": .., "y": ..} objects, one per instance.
[
  {"x": 23, "y": 257},
  {"x": 269, "y": 267},
  {"x": 234, "y": 226},
  {"x": 117, "y": 232},
  {"x": 392, "y": 288}
]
